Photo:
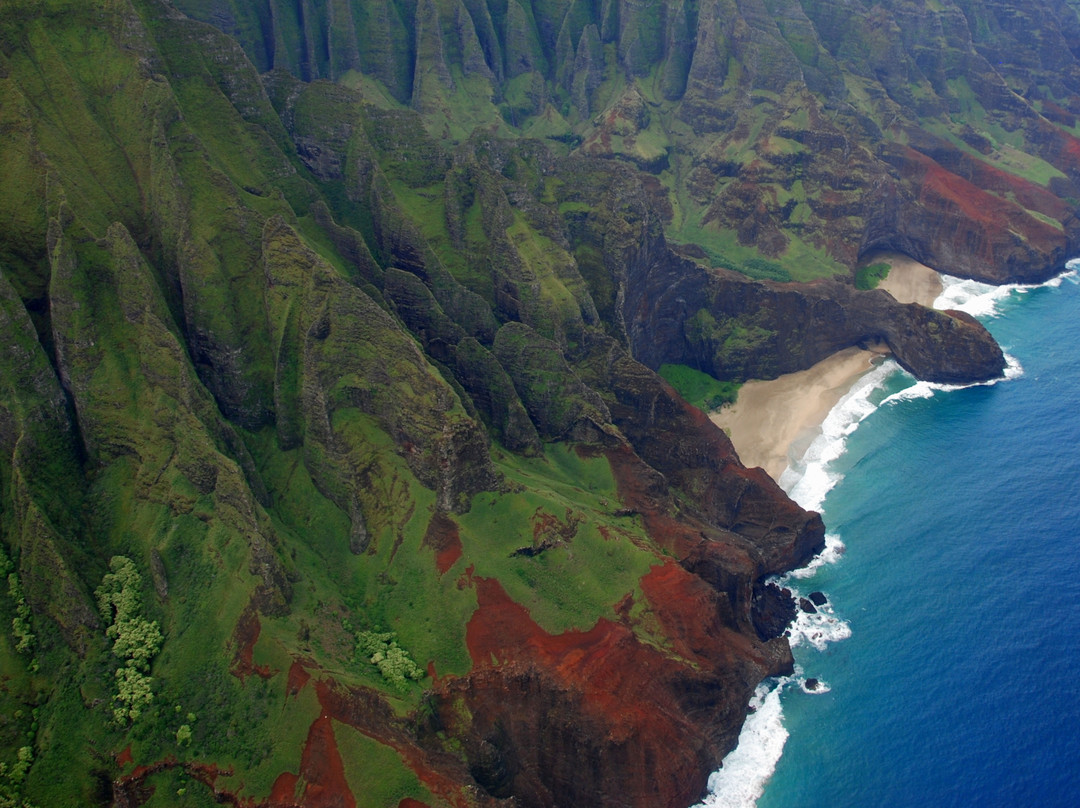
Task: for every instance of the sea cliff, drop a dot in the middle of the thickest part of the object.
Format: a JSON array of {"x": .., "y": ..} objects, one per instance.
[{"x": 336, "y": 467}]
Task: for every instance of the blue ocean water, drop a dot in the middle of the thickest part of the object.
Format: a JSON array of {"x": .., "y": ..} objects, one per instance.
[{"x": 950, "y": 665}]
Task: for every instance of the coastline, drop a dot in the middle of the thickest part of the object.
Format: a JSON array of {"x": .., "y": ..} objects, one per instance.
[
  {"x": 773, "y": 420},
  {"x": 1018, "y": 424}
]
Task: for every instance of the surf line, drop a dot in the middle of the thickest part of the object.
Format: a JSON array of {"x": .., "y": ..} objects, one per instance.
[{"x": 746, "y": 770}]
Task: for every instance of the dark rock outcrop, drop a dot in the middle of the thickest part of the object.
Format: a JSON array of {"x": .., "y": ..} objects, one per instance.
[
  {"x": 299, "y": 319},
  {"x": 733, "y": 328}
]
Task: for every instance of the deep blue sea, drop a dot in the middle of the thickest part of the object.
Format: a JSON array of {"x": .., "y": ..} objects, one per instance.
[{"x": 950, "y": 662}]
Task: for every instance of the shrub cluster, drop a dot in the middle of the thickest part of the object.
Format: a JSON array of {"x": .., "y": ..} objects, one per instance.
[
  {"x": 136, "y": 640},
  {"x": 869, "y": 277},
  {"x": 11, "y": 779},
  {"x": 393, "y": 661},
  {"x": 20, "y": 624}
]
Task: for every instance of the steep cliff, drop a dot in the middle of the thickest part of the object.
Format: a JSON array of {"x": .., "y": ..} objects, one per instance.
[
  {"x": 793, "y": 137},
  {"x": 335, "y": 467}
]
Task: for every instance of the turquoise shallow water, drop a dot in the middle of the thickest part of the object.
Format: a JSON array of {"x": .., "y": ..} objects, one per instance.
[{"x": 959, "y": 512}]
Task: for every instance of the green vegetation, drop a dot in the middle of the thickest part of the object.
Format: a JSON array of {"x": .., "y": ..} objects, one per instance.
[
  {"x": 12, "y": 778},
  {"x": 554, "y": 543},
  {"x": 183, "y": 735},
  {"x": 136, "y": 640},
  {"x": 380, "y": 648},
  {"x": 700, "y": 389},
  {"x": 735, "y": 344},
  {"x": 376, "y": 774},
  {"x": 869, "y": 276},
  {"x": 283, "y": 343},
  {"x": 20, "y": 623},
  {"x": 13, "y": 773},
  {"x": 801, "y": 262}
]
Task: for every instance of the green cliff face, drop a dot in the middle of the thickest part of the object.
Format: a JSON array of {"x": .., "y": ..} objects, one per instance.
[
  {"x": 792, "y": 138},
  {"x": 329, "y": 331}
]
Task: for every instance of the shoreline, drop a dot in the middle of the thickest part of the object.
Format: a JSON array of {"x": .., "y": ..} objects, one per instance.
[{"x": 774, "y": 419}]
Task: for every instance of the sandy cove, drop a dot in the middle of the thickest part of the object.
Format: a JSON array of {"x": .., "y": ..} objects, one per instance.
[{"x": 770, "y": 417}]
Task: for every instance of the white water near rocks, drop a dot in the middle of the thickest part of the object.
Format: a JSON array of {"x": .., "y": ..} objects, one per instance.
[{"x": 808, "y": 479}]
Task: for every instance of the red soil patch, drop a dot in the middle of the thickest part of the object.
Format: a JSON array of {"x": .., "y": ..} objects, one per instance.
[
  {"x": 322, "y": 770},
  {"x": 962, "y": 198},
  {"x": 687, "y": 609},
  {"x": 970, "y": 201},
  {"x": 466, "y": 578},
  {"x": 443, "y": 537},
  {"x": 409, "y": 802},
  {"x": 624, "y": 704},
  {"x": 1029, "y": 194},
  {"x": 142, "y": 772},
  {"x": 1072, "y": 147},
  {"x": 1056, "y": 114},
  {"x": 368, "y": 712},
  {"x": 244, "y": 638},
  {"x": 298, "y": 677},
  {"x": 131, "y": 789},
  {"x": 637, "y": 486},
  {"x": 123, "y": 758},
  {"x": 283, "y": 792},
  {"x": 607, "y": 664}
]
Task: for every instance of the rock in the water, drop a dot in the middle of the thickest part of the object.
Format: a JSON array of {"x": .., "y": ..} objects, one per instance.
[{"x": 772, "y": 611}]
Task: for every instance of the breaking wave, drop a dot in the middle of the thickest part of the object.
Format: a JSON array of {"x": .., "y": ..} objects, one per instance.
[{"x": 747, "y": 769}]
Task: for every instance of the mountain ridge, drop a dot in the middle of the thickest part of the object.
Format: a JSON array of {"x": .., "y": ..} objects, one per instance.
[{"x": 373, "y": 361}]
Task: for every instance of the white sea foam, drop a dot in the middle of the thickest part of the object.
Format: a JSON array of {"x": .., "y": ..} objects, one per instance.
[
  {"x": 748, "y": 767},
  {"x": 975, "y": 298},
  {"x": 808, "y": 479},
  {"x": 920, "y": 389},
  {"x": 983, "y": 300},
  {"x": 834, "y": 549},
  {"x": 817, "y": 629}
]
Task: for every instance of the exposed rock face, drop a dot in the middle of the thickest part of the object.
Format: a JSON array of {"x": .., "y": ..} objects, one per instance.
[
  {"x": 719, "y": 322},
  {"x": 340, "y": 319},
  {"x": 539, "y": 705},
  {"x": 842, "y": 128}
]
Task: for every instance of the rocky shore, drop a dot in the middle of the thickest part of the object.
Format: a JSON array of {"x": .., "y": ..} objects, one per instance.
[
  {"x": 771, "y": 419},
  {"x": 336, "y": 326}
]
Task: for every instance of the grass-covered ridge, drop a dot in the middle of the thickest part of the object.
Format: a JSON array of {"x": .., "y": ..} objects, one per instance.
[
  {"x": 280, "y": 471},
  {"x": 316, "y": 334},
  {"x": 700, "y": 389}
]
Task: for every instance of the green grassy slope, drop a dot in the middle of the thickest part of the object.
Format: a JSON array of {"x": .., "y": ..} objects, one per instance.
[{"x": 315, "y": 320}]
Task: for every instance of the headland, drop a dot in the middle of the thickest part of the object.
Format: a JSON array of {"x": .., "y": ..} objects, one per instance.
[{"x": 774, "y": 417}]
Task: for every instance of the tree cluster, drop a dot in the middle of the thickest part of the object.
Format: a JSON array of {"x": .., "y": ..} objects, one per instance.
[
  {"x": 20, "y": 624},
  {"x": 11, "y": 779},
  {"x": 136, "y": 640},
  {"x": 393, "y": 661}
]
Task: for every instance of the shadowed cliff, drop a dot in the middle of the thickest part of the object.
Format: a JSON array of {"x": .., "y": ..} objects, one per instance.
[{"x": 339, "y": 321}]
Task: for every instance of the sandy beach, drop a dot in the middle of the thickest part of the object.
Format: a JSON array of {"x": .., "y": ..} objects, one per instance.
[
  {"x": 771, "y": 417},
  {"x": 908, "y": 280}
]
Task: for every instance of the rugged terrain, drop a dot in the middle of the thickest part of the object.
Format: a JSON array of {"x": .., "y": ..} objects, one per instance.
[{"x": 336, "y": 470}]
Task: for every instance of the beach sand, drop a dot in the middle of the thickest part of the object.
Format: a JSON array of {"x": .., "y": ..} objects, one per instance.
[
  {"x": 770, "y": 418},
  {"x": 908, "y": 280}
]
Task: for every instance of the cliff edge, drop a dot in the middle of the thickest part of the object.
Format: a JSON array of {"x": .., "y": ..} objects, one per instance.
[{"x": 336, "y": 467}]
